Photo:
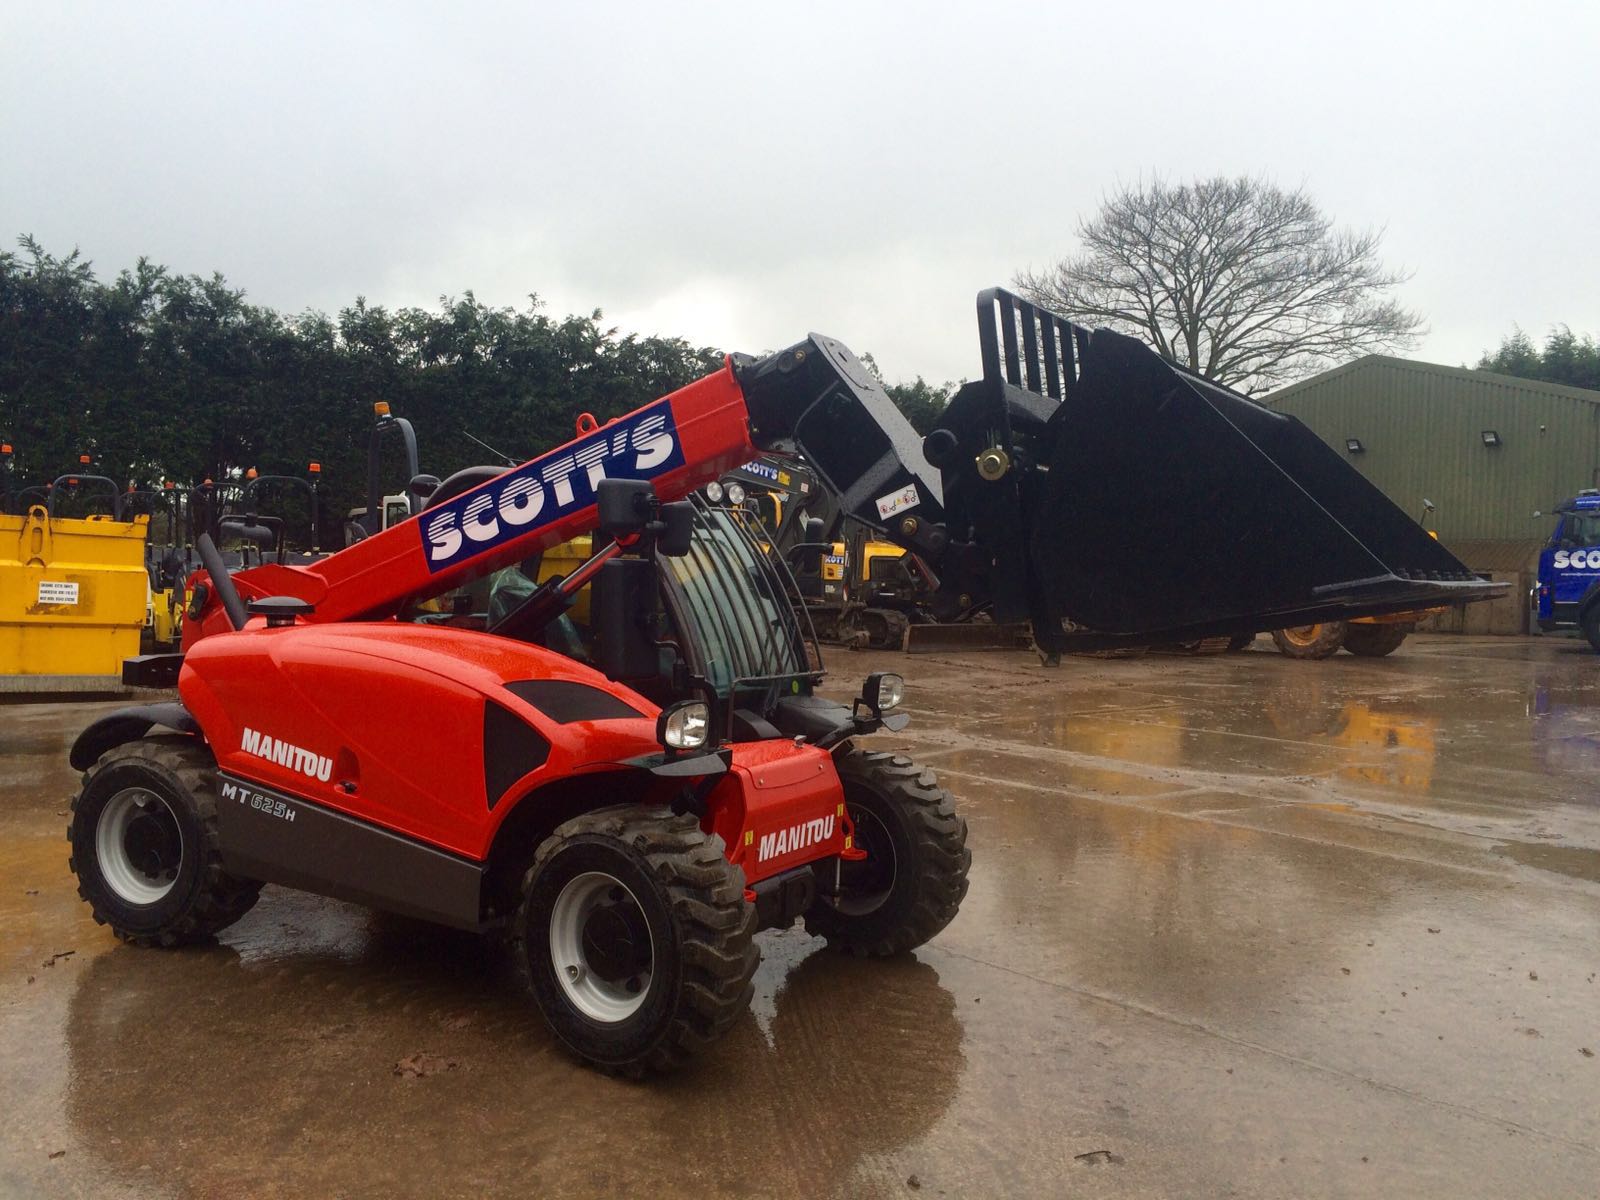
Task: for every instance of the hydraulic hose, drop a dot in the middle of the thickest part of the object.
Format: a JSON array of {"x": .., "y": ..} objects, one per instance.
[{"x": 221, "y": 581}]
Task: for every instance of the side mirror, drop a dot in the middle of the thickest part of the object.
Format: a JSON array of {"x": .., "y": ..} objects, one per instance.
[
  {"x": 423, "y": 486},
  {"x": 677, "y": 529},
  {"x": 624, "y": 606},
  {"x": 624, "y": 507}
]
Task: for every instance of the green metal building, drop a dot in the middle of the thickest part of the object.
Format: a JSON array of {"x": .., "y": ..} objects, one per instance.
[{"x": 1488, "y": 450}]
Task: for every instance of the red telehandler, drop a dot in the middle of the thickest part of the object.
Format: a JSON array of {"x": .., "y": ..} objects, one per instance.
[{"x": 629, "y": 800}]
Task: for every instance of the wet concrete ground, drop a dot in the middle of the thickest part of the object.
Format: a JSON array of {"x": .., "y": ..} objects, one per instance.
[{"x": 1237, "y": 926}]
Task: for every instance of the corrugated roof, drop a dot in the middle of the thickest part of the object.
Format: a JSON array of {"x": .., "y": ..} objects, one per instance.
[
  {"x": 1464, "y": 373},
  {"x": 1497, "y": 554}
]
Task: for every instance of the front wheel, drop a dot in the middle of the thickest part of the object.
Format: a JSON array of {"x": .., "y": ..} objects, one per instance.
[
  {"x": 1590, "y": 624},
  {"x": 144, "y": 845},
  {"x": 635, "y": 938},
  {"x": 914, "y": 876}
]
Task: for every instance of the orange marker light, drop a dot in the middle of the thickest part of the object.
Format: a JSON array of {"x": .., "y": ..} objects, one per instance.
[
  {"x": 84, "y": 458},
  {"x": 380, "y": 408},
  {"x": 167, "y": 485},
  {"x": 5, "y": 447},
  {"x": 315, "y": 468},
  {"x": 250, "y": 474}
]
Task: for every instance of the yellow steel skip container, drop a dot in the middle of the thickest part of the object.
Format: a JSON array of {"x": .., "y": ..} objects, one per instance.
[{"x": 73, "y": 599}]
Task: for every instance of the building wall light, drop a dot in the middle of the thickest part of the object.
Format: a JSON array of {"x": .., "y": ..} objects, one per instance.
[
  {"x": 1354, "y": 446},
  {"x": 1491, "y": 438}
]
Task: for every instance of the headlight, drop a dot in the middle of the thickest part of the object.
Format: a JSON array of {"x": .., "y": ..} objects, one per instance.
[
  {"x": 684, "y": 726},
  {"x": 714, "y": 492},
  {"x": 884, "y": 690},
  {"x": 735, "y": 494}
]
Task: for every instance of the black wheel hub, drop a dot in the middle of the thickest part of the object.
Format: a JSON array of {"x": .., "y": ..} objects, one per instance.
[
  {"x": 865, "y": 883},
  {"x": 152, "y": 842},
  {"x": 616, "y": 939}
]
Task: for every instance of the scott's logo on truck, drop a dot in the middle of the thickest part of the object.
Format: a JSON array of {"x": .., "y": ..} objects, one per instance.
[
  {"x": 547, "y": 489},
  {"x": 276, "y": 750},
  {"x": 1576, "y": 558}
]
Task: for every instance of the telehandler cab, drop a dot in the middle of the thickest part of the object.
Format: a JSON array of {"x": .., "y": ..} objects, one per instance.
[{"x": 628, "y": 803}]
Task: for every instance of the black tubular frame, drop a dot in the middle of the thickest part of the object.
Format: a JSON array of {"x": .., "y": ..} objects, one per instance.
[
  {"x": 755, "y": 640},
  {"x": 372, "y": 519},
  {"x": 254, "y": 487},
  {"x": 68, "y": 483}
]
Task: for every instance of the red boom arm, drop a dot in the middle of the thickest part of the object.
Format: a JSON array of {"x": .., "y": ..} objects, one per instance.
[{"x": 678, "y": 443}]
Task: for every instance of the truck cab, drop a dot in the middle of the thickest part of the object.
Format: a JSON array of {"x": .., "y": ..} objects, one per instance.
[{"x": 1568, "y": 595}]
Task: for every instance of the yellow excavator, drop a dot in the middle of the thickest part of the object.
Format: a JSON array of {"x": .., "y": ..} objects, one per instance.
[{"x": 859, "y": 590}]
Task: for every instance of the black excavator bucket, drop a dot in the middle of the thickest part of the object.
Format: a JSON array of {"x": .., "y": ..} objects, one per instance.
[
  {"x": 1118, "y": 499},
  {"x": 1091, "y": 488}
]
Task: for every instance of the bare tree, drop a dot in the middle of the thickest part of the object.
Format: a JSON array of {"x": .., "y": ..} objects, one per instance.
[{"x": 1237, "y": 279}]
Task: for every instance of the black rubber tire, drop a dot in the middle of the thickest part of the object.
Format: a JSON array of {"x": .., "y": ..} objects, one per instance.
[
  {"x": 889, "y": 796},
  {"x": 1311, "y": 641},
  {"x": 701, "y": 926},
  {"x": 204, "y": 898},
  {"x": 1374, "y": 641},
  {"x": 1590, "y": 624}
]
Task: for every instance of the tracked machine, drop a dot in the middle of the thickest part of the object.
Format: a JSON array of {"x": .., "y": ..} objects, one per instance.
[{"x": 629, "y": 801}]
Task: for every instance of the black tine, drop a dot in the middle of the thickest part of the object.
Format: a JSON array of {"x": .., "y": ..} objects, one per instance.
[
  {"x": 1052, "y": 361},
  {"x": 1030, "y": 345},
  {"x": 1008, "y": 332},
  {"x": 988, "y": 342}
]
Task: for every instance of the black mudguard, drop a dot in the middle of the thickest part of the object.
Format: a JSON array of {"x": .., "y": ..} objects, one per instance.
[{"x": 128, "y": 725}]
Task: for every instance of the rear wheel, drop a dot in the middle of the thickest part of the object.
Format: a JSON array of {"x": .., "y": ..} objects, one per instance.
[
  {"x": 144, "y": 845},
  {"x": 1311, "y": 641},
  {"x": 912, "y": 880},
  {"x": 635, "y": 938},
  {"x": 1374, "y": 641}
]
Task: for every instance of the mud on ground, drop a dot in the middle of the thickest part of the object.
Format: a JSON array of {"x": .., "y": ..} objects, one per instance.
[{"x": 1237, "y": 926}]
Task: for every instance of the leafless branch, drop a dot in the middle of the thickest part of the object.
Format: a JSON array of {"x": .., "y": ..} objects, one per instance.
[{"x": 1236, "y": 279}]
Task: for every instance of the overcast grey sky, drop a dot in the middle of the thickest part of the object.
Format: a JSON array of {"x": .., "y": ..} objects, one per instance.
[{"x": 742, "y": 174}]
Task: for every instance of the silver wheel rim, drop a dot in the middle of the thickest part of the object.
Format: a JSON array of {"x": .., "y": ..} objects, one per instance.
[
  {"x": 130, "y": 869},
  {"x": 596, "y": 997}
]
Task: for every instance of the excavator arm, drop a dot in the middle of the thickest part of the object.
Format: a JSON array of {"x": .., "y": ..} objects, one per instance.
[{"x": 1039, "y": 494}]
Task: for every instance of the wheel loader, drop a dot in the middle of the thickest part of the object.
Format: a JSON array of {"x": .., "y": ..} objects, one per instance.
[{"x": 627, "y": 807}]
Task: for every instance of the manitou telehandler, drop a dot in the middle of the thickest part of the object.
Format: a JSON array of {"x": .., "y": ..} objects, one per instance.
[{"x": 628, "y": 807}]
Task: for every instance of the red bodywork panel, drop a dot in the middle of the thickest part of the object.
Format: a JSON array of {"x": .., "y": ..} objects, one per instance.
[
  {"x": 679, "y": 443},
  {"x": 385, "y": 722},
  {"x": 781, "y": 806}
]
